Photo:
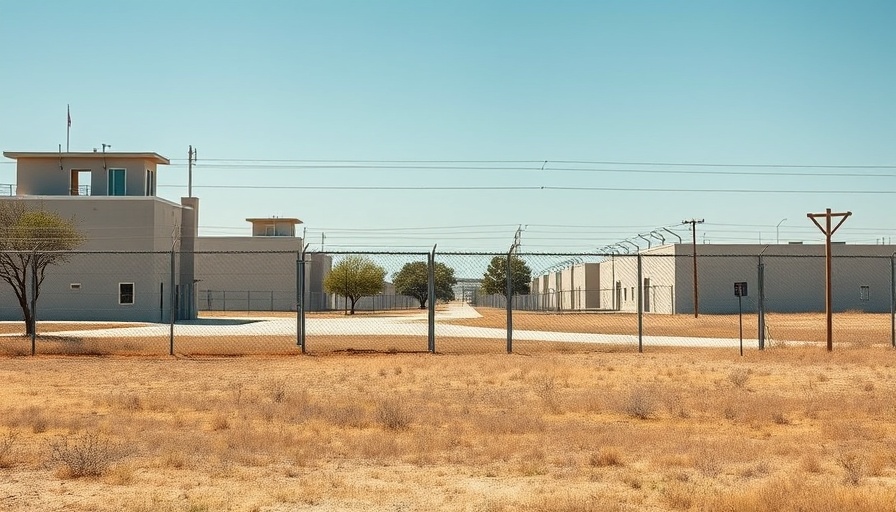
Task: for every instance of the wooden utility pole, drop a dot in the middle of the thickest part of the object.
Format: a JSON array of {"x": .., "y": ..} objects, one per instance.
[
  {"x": 828, "y": 297},
  {"x": 693, "y": 223}
]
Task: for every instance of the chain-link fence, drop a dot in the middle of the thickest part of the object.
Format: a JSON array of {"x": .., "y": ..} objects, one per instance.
[{"x": 285, "y": 302}]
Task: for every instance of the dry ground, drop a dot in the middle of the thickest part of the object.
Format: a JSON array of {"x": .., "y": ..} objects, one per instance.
[{"x": 791, "y": 428}]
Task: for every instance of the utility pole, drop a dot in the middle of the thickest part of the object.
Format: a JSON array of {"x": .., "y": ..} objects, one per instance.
[
  {"x": 693, "y": 223},
  {"x": 191, "y": 158},
  {"x": 828, "y": 296}
]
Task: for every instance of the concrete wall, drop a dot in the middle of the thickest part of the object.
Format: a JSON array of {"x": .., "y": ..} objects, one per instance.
[
  {"x": 110, "y": 224},
  {"x": 794, "y": 278},
  {"x": 236, "y": 274}
]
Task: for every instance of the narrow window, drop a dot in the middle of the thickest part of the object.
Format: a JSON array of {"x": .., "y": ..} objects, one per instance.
[
  {"x": 116, "y": 181},
  {"x": 150, "y": 182},
  {"x": 125, "y": 293},
  {"x": 864, "y": 293}
]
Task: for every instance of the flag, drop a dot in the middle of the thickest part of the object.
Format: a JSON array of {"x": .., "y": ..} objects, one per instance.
[{"x": 68, "y": 111}]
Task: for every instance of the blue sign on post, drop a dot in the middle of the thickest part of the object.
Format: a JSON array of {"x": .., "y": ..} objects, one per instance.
[{"x": 740, "y": 289}]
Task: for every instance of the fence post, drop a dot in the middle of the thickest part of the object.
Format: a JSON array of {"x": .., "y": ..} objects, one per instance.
[
  {"x": 33, "y": 303},
  {"x": 300, "y": 299},
  {"x": 893, "y": 300},
  {"x": 172, "y": 309},
  {"x": 509, "y": 301},
  {"x": 431, "y": 294},
  {"x": 760, "y": 306},
  {"x": 640, "y": 308}
]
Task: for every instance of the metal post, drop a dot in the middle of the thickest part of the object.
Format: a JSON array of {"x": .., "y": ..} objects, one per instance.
[
  {"x": 509, "y": 302},
  {"x": 740, "y": 316},
  {"x": 33, "y": 303},
  {"x": 893, "y": 300},
  {"x": 172, "y": 309},
  {"x": 760, "y": 307},
  {"x": 640, "y": 309},
  {"x": 300, "y": 299},
  {"x": 431, "y": 292}
]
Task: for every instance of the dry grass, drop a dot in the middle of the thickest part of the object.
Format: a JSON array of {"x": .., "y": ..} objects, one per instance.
[
  {"x": 677, "y": 430},
  {"x": 51, "y": 327}
]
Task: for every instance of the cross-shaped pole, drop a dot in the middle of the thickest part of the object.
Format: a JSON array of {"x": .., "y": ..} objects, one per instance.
[{"x": 828, "y": 297}]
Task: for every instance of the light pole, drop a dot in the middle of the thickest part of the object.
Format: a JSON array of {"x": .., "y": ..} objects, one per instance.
[{"x": 777, "y": 232}]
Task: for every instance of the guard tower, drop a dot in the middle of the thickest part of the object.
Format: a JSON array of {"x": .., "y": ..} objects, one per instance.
[{"x": 274, "y": 226}]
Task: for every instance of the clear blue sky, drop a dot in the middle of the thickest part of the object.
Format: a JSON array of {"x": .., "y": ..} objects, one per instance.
[{"x": 807, "y": 83}]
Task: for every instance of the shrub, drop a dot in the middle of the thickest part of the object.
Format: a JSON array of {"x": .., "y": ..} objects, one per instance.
[
  {"x": 84, "y": 455},
  {"x": 640, "y": 404},
  {"x": 739, "y": 377},
  {"x": 393, "y": 414},
  {"x": 7, "y": 449}
]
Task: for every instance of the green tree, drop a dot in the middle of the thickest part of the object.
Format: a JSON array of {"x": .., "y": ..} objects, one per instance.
[
  {"x": 413, "y": 280},
  {"x": 355, "y": 277},
  {"x": 495, "y": 279},
  {"x": 30, "y": 242}
]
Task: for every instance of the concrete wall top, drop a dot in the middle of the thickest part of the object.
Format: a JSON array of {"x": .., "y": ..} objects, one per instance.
[
  {"x": 814, "y": 249},
  {"x": 248, "y": 243},
  {"x": 114, "y": 223}
]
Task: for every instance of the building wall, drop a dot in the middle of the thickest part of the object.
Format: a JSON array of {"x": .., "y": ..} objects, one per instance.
[
  {"x": 794, "y": 277},
  {"x": 110, "y": 224},
  {"x": 52, "y": 176},
  {"x": 237, "y": 274}
]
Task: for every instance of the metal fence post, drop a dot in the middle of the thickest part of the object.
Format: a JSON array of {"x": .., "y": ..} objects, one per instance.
[
  {"x": 640, "y": 307},
  {"x": 431, "y": 293},
  {"x": 893, "y": 300},
  {"x": 509, "y": 301},
  {"x": 760, "y": 306},
  {"x": 172, "y": 308},
  {"x": 300, "y": 299},
  {"x": 33, "y": 303}
]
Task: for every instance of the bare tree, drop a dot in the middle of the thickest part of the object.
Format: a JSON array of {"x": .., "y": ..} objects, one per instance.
[{"x": 30, "y": 241}]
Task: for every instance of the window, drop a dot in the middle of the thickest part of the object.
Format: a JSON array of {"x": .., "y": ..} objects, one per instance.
[
  {"x": 150, "y": 182},
  {"x": 625, "y": 294},
  {"x": 116, "y": 181},
  {"x": 125, "y": 293},
  {"x": 864, "y": 293}
]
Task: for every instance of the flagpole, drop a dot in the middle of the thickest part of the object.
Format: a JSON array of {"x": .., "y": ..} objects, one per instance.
[{"x": 68, "y": 128}]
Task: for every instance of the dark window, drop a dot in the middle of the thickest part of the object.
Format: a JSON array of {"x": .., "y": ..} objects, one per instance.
[{"x": 125, "y": 293}]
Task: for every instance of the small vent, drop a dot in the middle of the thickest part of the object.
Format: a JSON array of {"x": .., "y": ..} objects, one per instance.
[{"x": 75, "y": 286}]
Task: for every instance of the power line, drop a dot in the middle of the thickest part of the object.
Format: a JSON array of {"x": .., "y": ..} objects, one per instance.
[
  {"x": 417, "y": 188},
  {"x": 538, "y": 169},
  {"x": 541, "y": 162}
]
